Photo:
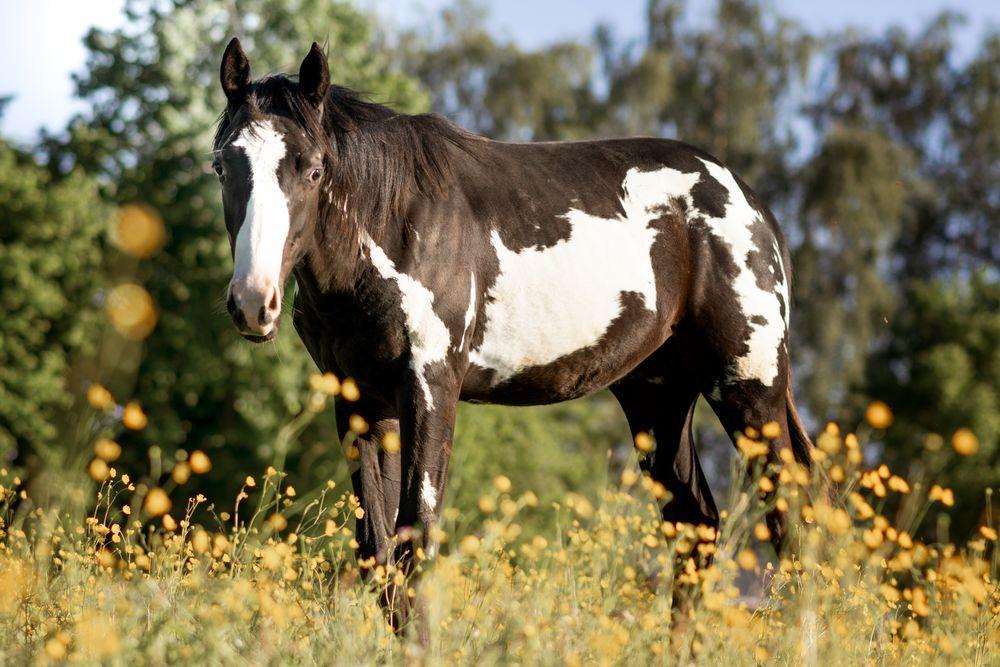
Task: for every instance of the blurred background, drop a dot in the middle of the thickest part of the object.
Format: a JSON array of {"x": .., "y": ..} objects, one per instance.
[{"x": 872, "y": 129}]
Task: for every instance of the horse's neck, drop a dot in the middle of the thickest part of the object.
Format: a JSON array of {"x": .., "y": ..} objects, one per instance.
[{"x": 312, "y": 275}]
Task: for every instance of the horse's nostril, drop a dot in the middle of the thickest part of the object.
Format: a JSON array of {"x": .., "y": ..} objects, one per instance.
[
  {"x": 272, "y": 305},
  {"x": 235, "y": 312},
  {"x": 239, "y": 319}
]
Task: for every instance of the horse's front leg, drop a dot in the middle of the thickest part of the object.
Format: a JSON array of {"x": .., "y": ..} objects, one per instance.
[
  {"x": 427, "y": 422},
  {"x": 375, "y": 474}
]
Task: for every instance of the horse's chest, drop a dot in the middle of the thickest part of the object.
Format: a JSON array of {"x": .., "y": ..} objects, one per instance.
[{"x": 354, "y": 338}]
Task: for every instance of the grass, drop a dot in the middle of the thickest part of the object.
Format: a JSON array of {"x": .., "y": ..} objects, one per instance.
[{"x": 272, "y": 579}]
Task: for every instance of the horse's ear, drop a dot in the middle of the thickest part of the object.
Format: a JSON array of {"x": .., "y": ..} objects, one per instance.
[
  {"x": 235, "y": 74},
  {"x": 314, "y": 76}
]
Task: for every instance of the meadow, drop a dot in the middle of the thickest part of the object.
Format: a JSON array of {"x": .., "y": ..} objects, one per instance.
[
  {"x": 172, "y": 494},
  {"x": 151, "y": 575}
]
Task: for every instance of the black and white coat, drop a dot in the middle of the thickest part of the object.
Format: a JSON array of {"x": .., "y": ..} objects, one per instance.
[{"x": 434, "y": 266}]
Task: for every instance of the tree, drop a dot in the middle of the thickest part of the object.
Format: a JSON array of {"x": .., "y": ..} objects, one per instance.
[
  {"x": 497, "y": 89},
  {"x": 50, "y": 251},
  {"x": 941, "y": 372},
  {"x": 914, "y": 132},
  {"x": 852, "y": 209}
]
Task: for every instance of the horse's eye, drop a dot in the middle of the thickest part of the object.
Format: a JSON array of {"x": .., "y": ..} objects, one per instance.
[
  {"x": 314, "y": 175},
  {"x": 217, "y": 166}
]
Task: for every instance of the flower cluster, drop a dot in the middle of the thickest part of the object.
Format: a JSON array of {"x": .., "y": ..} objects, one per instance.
[{"x": 274, "y": 575}]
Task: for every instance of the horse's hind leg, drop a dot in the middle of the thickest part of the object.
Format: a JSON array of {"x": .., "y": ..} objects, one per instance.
[
  {"x": 659, "y": 407},
  {"x": 750, "y": 403}
]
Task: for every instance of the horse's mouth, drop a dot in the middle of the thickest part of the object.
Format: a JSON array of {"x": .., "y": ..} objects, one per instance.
[{"x": 258, "y": 338}]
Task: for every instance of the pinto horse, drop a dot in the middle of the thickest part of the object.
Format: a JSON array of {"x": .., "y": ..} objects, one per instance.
[{"x": 434, "y": 265}]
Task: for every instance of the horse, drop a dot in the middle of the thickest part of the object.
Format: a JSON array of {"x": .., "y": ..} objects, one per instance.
[{"x": 433, "y": 266}]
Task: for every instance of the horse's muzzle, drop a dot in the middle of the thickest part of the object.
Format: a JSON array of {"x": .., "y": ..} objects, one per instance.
[{"x": 255, "y": 312}]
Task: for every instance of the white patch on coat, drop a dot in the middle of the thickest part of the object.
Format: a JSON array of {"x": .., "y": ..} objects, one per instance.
[
  {"x": 470, "y": 311},
  {"x": 550, "y": 302},
  {"x": 734, "y": 228},
  {"x": 783, "y": 278},
  {"x": 429, "y": 337},
  {"x": 428, "y": 494},
  {"x": 260, "y": 242}
]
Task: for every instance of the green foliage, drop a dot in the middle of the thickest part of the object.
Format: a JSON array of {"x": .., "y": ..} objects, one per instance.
[
  {"x": 941, "y": 372},
  {"x": 50, "y": 251},
  {"x": 498, "y": 89},
  {"x": 549, "y": 450},
  {"x": 853, "y": 202}
]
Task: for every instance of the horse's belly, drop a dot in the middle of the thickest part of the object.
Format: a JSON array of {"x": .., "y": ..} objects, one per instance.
[{"x": 562, "y": 380}]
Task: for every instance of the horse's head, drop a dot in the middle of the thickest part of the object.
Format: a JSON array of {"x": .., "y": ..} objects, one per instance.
[{"x": 270, "y": 155}]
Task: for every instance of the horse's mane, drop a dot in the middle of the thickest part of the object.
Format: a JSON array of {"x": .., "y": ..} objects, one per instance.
[{"x": 378, "y": 160}]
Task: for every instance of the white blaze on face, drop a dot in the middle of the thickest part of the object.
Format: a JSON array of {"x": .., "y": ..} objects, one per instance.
[
  {"x": 260, "y": 243},
  {"x": 550, "y": 302}
]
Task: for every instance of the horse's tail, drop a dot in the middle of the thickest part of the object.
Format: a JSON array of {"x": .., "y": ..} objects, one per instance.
[{"x": 801, "y": 444}]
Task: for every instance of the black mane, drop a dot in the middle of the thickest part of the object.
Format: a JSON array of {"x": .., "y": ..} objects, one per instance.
[{"x": 378, "y": 159}]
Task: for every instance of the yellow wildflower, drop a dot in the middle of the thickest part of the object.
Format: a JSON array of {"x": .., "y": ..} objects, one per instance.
[
  {"x": 469, "y": 545},
  {"x": 139, "y": 230},
  {"x": 879, "y": 415},
  {"x": 199, "y": 462},
  {"x": 349, "y": 390},
  {"x": 130, "y": 309},
  {"x": 391, "y": 442},
  {"x": 747, "y": 559},
  {"x": 502, "y": 483},
  {"x": 327, "y": 383},
  {"x": 157, "y": 502},
  {"x": 98, "y": 470},
  {"x": 181, "y": 472},
  {"x": 358, "y": 424},
  {"x": 762, "y": 532},
  {"x": 99, "y": 397},
  {"x": 771, "y": 430},
  {"x": 133, "y": 417},
  {"x": 644, "y": 442},
  {"x": 965, "y": 442}
]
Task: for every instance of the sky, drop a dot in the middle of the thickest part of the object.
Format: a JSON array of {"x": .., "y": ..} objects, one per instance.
[{"x": 40, "y": 40}]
